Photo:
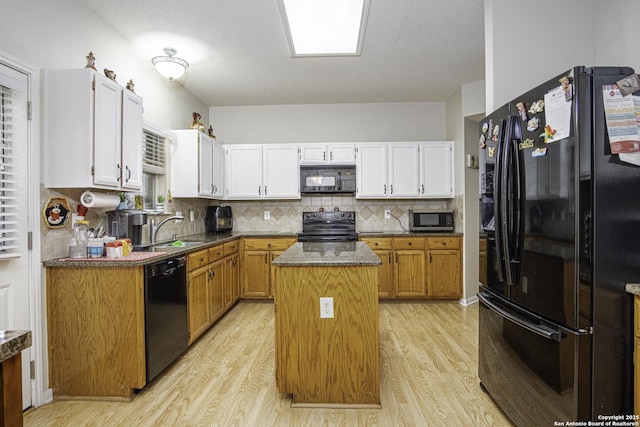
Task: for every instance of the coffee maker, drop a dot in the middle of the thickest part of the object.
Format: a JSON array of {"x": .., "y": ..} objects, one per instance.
[{"x": 127, "y": 223}]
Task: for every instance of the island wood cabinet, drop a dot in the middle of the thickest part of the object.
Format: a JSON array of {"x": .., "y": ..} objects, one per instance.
[
  {"x": 212, "y": 285},
  {"x": 257, "y": 272},
  {"x": 418, "y": 267},
  {"x": 96, "y": 331},
  {"x": 95, "y": 124}
]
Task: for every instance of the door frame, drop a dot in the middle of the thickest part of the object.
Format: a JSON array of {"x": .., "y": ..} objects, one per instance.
[{"x": 37, "y": 354}]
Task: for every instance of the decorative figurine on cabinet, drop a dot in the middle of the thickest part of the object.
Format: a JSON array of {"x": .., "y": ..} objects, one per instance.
[
  {"x": 197, "y": 124},
  {"x": 210, "y": 132},
  {"x": 130, "y": 86},
  {"x": 91, "y": 60},
  {"x": 110, "y": 74}
]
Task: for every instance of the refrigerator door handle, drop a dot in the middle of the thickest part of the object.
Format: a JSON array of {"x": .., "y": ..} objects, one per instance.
[
  {"x": 541, "y": 330},
  {"x": 517, "y": 183},
  {"x": 505, "y": 182},
  {"x": 497, "y": 197}
]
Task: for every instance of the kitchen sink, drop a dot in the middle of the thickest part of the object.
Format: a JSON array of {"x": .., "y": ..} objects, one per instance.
[{"x": 175, "y": 245}]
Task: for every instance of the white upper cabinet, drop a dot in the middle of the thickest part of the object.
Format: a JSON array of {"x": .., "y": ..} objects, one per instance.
[
  {"x": 404, "y": 170},
  {"x": 93, "y": 132},
  {"x": 338, "y": 153},
  {"x": 371, "y": 170},
  {"x": 436, "y": 169},
  {"x": 195, "y": 175},
  {"x": 262, "y": 171}
]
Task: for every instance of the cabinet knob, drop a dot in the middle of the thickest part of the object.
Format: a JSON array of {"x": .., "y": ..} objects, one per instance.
[{"x": 410, "y": 243}]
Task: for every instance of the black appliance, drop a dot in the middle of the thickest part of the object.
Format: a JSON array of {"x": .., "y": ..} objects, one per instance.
[
  {"x": 328, "y": 226},
  {"x": 429, "y": 220},
  {"x": 127, "y": 223},
  {"x": 327, "y": 179},
  {"x": 555, "y": 322},
  {"x": 165, "y": 310},
  {"x": 219, "y": 219}
]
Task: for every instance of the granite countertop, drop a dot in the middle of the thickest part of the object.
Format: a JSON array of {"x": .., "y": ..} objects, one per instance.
[
  {"x": 633, "y": 288},
  {"x": 153, "y": 254},
  {"x": 310, "y": 254},
  {"x": 13, "y": 342}
]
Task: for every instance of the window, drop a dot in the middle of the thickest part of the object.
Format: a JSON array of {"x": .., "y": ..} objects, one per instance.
[
  {"x": 10, "y": 114},
  {"x": 154, "y": 158}
]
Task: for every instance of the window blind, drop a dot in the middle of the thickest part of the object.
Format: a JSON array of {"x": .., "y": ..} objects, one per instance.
[
  {"x": 153, "y": 151},
  {"x": 10, "y": 113}
]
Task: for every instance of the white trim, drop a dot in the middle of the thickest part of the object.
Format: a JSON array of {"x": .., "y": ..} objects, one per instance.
[
  {"x": 468, "y": 301},
  {"x": 38, "y": 354}
]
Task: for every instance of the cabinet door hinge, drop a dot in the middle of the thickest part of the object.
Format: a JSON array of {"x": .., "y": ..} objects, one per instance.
[
  {"x": 29, "y": 110},
  {"x": 30, "y": 240},
  {"x": 32, "y": 368}
]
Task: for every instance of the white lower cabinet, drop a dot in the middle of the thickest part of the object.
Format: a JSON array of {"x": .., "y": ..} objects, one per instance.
[{"x": 262, "y": 171}]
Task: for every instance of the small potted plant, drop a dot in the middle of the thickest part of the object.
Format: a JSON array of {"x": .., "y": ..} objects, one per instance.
[
  {"x": 160, "y": 205},
  {"x": 123, "y": 201}
]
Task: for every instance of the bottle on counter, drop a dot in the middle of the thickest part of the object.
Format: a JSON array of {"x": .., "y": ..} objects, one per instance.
[{"x": 79, "y": 239}]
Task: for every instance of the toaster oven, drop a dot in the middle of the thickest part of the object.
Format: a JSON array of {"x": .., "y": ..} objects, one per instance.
[{"x": 218, "y": 219}]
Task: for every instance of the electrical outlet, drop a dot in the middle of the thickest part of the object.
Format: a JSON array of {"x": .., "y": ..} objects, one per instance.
[
  {"x": 267, "y": 214},
  {"x": 326, "y": 307},
  {"x": 387, "y": 214},
  {"x": 192, "y": 216}
]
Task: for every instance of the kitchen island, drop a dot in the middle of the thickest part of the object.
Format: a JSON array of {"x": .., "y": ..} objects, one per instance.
[{"x": 326, "y": 297}]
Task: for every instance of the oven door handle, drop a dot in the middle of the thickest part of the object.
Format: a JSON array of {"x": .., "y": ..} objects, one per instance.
[{"x": 541, "y": 330}]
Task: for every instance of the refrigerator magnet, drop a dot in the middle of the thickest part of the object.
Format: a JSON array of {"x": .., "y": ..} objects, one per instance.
[
  {"x": 533, "y": 124},
  {"x": 528, "y": 143},
  {"x": 491, "y": 151},
  {"x": 539, "y": 152},
  {"x": 483, "y": 141},
  {"x": 496, "y": 130},
  {"x": 537, "y": 107},
  {"x": 485, "y": 127},
  {"x": 548, "y": 134},
  {"x": 629, "y": 84},
  {"x": 522, "y": 111}
]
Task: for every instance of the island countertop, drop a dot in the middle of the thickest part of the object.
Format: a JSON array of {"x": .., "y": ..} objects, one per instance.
[
  {"x": 13, "y": 342},
  {"x": 331, "y": 253}
]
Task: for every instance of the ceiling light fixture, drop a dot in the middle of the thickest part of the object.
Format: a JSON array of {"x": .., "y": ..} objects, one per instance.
[
  {"x": 170, "y": 66},
  {"x": 325, "y": 27}
]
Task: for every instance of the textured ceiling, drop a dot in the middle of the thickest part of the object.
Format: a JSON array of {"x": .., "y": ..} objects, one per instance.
[{"x": 414, "y": 50}]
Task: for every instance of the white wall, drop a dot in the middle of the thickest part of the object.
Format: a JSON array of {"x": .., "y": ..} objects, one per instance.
[
  {"x": 528, "y": 42},
  {"x": 60, "y": 33},
  {"x": 617, "y": 33},
  {"x": 405, "y": 121}
]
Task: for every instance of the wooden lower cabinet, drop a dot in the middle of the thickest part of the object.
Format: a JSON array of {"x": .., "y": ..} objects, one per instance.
[
  {"x": 418, "y": 267},
  {"x": 212, "y": 286},
  {"x": 96, "y": 331},
  {"x": 257, "y": 273}
]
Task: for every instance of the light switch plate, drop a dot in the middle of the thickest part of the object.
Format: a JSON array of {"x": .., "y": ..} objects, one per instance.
[
  {"x": 326, "y": 307},
  {"x": 387, "y": 213}
]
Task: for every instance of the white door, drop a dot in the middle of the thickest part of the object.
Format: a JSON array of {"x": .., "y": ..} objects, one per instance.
[
  {"x": 205, "y": 166},
  {"x": 15, "y": 176},
  {"x": 131, "y": 141},
  {"x": 281, "y": 172},
  {"x": 218, "y": 171},
  {"x": 404, "y": 170},
  {"x": 243, "y": 170},
  {"x": 371, "y": 170},
  {"x": 342, "y": 154},
  {"x": 436, "y": 169},
  {"x": 107, "y": 130}
]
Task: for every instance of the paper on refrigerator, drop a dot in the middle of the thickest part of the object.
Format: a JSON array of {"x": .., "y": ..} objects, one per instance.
[{"x": 622, "y": 118}]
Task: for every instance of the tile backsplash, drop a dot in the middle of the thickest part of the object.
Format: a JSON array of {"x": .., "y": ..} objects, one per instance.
[{"x": 285, "y": 216}]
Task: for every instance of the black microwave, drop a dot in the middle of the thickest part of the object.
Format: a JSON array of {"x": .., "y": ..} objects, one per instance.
[
  {"x": 328, "y": 179},
  {"x": 428, "y": 220}
]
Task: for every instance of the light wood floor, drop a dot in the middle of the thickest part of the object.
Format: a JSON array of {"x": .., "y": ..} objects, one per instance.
[{"x": 428, "y": 378}]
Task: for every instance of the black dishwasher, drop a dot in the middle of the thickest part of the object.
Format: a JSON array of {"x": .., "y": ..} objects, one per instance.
[{"x": 165, "y": 306}]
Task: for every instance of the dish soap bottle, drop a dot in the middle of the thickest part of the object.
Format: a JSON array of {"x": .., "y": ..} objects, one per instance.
[{"x": 79, "y": 239}]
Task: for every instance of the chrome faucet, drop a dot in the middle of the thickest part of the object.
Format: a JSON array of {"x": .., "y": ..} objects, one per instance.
[{"x": 153, "y": 228}]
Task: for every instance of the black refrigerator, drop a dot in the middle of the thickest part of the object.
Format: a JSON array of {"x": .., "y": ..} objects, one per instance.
[{"x": 562, "y": 218}]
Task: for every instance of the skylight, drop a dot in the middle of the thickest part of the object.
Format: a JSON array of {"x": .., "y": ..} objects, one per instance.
[{"x": 325, "y": 27}]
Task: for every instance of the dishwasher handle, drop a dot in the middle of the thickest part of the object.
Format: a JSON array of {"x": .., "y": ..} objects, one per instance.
[{"x": 166, "y": 267}]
